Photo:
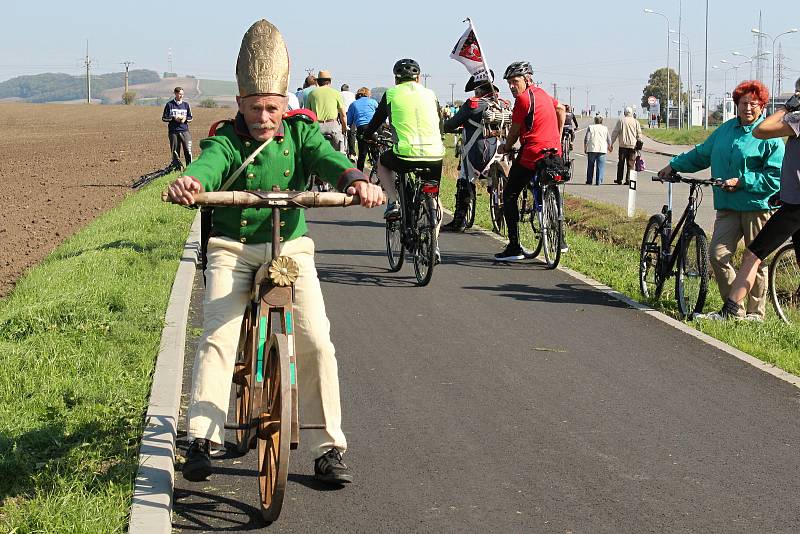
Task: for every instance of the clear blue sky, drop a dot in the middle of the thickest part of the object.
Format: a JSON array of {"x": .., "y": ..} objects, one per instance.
[{"x": 608, "y": 47}]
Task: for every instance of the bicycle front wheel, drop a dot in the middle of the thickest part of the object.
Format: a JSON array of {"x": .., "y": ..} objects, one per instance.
[
  {"x": 551, "y": 226},
  {"x": 650, "y": 280},
  {"x": 394, "y": 244},
  {"x": 470, "y": 215},
  {"x": 498, "y": 183},
  {"x": 425, "y": 231},
  {"x": 784, "y": 284},
  {"x": 274, "y": 428},
  {"x": 691, "y": 281}
]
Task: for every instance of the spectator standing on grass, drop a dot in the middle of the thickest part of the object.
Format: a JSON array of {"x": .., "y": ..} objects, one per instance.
[
  {"x": 629, "y": 132},
  {"x": 785, "y": 222},
  {"x": 751, "y": 170},
  {"x": 178, "y": 115},
  {"x": 596, "y": 143}
]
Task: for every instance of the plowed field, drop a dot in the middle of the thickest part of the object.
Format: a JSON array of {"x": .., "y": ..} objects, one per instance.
[{"x": 63, "y": 165}]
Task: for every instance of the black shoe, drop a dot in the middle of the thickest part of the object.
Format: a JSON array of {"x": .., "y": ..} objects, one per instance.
[
  {"x": 512, "y": 252},
  {"x": 198, "y": 461},
  {"x": 330, "y": 469},
  {"x": 618, "y": 182},
  {"x": 456, "y": 225}
]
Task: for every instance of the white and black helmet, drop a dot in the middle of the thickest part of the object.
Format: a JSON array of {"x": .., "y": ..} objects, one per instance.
[{"x": 518, "y": 68}]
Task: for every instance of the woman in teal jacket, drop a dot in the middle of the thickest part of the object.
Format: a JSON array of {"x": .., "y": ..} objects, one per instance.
[{"x": 750, "y": 169}]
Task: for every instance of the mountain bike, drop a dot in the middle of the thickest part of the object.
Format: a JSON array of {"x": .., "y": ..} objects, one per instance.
[
  {"x": 680, "y": 250},
  {"x": 545, "y": 211},
  {"x": 784, "y": 283},
  {"x": 265, "y": 372},
  {"x": 566, "y": 144},
  {"x": 415, "y": 228}
]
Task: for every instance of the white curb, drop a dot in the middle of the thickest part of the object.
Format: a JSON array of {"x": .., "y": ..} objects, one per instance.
[{"x": 151, "y": 510}]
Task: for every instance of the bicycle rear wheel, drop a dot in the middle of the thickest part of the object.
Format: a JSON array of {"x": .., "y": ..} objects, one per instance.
[
  {"x": 498, "y": 183},
  {"x": 784, "y": 284},
  {"x": 651, "y": 281},
  {"x": 691, "y": 281},
  {"x": 551, "y": 223},
  {"x": 425, "y": 231},
  {"x": 242, "y": 379},
  {"x": 274, "y": 428}
]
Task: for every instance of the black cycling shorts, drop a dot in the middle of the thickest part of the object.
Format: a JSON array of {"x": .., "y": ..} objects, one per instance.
[
  {"x": 434, "y": 168},
  {"x": 784, "y": 223}
]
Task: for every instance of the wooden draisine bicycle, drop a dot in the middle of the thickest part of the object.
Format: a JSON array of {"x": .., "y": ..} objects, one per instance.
[{"x": 265, "y": 372}]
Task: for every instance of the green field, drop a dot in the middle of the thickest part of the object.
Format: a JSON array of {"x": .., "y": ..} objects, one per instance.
[
  {"x": 78, "y": 340},
  {"x": 692, "y": 136},
  {"x": 212, "y": 88}
]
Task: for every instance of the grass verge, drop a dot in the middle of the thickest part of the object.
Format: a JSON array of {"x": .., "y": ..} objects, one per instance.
[
  {"x": 78, "y": 339},
  {"x": 604, "y": 245},
  {"x": 673, "y": 136}
]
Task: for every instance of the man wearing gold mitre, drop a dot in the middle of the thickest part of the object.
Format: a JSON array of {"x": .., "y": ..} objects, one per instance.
[{"x": 290, "y": 148}]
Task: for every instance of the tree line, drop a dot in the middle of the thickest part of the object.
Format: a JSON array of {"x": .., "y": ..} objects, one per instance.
[{"x": 59, "y": 87}]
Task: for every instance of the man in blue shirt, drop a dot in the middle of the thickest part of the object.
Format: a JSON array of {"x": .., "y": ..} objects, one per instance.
[
  {"x": 359, "y": 114},
  {"x": 178, "y": 115}
]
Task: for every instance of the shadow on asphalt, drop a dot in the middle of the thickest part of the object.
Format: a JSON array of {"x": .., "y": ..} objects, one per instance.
[
  {"x": 312, "y": 483},
  {"x": 358, "y": 275},
  {"x": 197, "y": 510},
  {"x": 347, "y": 222},
  {"x": 565, "y": 293}
]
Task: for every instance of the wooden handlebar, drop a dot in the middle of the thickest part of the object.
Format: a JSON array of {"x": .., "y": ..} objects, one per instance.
[{"x": 272, "y": 199}]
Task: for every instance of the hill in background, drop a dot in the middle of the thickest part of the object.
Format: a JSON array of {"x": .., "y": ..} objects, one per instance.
[{"x": 58, "y": 87}]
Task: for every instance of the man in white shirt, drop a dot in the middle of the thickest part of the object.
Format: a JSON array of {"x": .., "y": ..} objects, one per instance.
[
  {"x": 596, "y": 143},
  {"x": 348, "y": 97},
  {"x": 629, "y": 132}
]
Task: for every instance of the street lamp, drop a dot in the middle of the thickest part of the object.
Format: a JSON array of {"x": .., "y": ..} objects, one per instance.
[
  {"x": 751, "y": 59},
  {"x": 774, "y": 39},
  {"x": 651, "y": 12},
  {"x": 688, "y": 52}
]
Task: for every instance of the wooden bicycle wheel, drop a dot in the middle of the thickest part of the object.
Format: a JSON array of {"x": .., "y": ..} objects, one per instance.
[
  {"x": 274, "y": 428},
  {"x": 242, "y": 379}
]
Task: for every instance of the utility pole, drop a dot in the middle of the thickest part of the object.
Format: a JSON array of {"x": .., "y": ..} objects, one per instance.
[
  {"x": 680, "y": 84},
  {"x": 169, "y": 60},
  {"x": 759, "y": 57},
  {"x": 705, "y": 80},
  {"x": 88, "y": 64},
  {"x": 309, "y": 70},
  {"x": 127, "y": 66},
  {"x": 570, "y": 88},
  {"x": 555, "y": 90},
  {"x": 452, "y": 95},
  {"x": 425, "y": 78}
]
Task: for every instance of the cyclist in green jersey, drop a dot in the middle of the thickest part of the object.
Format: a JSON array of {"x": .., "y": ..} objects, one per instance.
[{"x": 413, "y": 114}]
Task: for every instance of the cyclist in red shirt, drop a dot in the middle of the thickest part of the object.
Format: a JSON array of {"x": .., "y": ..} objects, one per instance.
[{"x": 537, "y": 122}]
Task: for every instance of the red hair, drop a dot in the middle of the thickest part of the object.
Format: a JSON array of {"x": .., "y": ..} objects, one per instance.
[{"x": 751, "y": 87}]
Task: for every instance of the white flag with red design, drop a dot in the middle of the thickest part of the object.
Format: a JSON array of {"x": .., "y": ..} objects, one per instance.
[{"x": 468, "y": 52}]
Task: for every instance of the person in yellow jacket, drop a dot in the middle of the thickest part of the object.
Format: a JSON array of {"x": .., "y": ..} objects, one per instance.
[
  {"x": 413, "y": 114},
  {"x": 293, "y": 148}
]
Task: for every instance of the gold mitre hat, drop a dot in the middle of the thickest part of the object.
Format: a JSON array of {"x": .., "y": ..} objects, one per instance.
[{"x": 263, "y": 63}]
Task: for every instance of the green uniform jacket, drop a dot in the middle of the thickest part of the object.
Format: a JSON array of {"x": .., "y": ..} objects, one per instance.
[
  {"x": 297, "y": 151},
  {"x": 733, "y": 152}
]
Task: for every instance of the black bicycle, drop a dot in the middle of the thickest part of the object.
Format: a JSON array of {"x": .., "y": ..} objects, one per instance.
[
  {"x": 680, "y": 251},
  {"x": 415, "y": 228},
  {"x": 375, "y": 147},
  {"x": 545, "y": 211}
]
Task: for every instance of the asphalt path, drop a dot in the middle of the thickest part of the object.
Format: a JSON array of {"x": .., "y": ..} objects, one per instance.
[
  {"x": 510, "y": 398},
  {"x": 650, "y": 195}
]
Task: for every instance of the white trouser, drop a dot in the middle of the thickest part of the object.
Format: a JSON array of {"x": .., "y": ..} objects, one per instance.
[{"x": 229, "y": 279}]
